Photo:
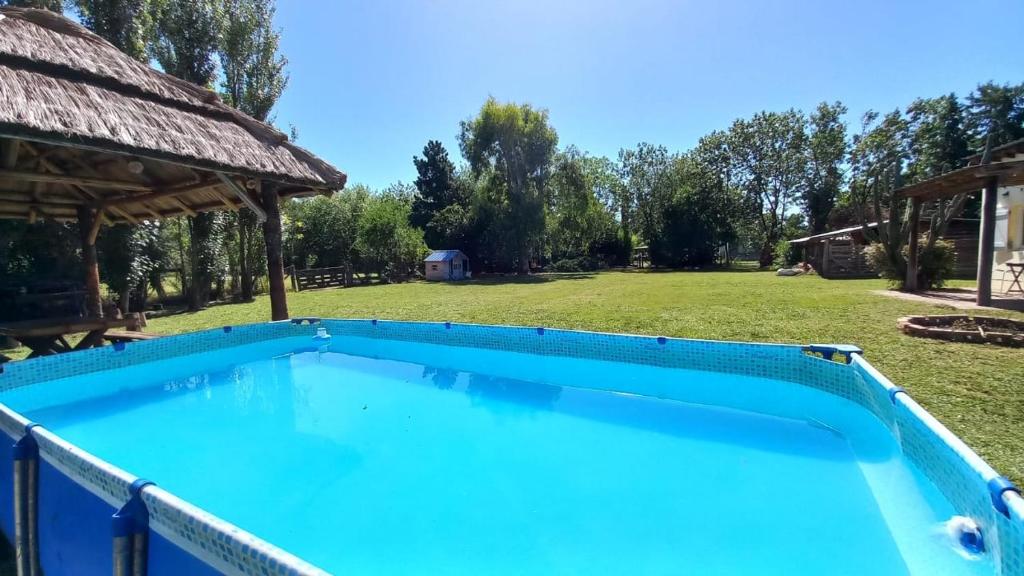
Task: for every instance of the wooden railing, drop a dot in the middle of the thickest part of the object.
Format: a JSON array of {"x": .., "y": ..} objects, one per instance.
[{"x": 317, "y": 278}]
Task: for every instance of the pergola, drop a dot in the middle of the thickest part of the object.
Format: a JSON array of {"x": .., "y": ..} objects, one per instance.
[
  {"x": 91, "y": 135},
  {"x": 998, "y": 167}
]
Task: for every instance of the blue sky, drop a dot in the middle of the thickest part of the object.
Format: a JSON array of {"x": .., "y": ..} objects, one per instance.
[{"x": 372, "y": 81}]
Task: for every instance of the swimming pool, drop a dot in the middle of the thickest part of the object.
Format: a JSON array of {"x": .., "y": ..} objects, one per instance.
[{"x": 397, "y": 448}]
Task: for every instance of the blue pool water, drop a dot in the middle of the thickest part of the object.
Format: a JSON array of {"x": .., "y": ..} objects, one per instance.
[{"x": 383, "y": 457}]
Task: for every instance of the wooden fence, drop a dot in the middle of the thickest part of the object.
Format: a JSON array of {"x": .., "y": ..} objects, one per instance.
[
  {"x": 317, "y": 278},
  {"x": 845, "y": 258}
]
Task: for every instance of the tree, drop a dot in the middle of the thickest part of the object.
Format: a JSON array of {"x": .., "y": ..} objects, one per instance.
[
  {"x": 938, "y": 144},
  {"x": 826, "y": 149},
  {"x": 322, "y": 231},
  {"x": 254, "y": 71},
  {"x": 127, "y": 257},
  {"x": 769, "y": 155},
  {"x": 996, "y": 110},
  {"x": 253, "y": 80},
  {"x": 646, "y": 178},
  {"x": 578, "y": 224},
  {"x": 876, "y": 160},
  {"x": 387, "y": 244},
  {"x": 186, "y": 36},
  {"x": 437, "y": 188},
  {"x": 127, "y": 24},
  {"x": 516, "y": 142}
]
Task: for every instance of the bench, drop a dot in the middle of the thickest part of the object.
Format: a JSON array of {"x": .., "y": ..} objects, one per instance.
[{"x": 116, "y": 336}]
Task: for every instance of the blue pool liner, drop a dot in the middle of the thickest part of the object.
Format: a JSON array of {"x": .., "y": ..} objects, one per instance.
[{"x": 78, "y": 493}]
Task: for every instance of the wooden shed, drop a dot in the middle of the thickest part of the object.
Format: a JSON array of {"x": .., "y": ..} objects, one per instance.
[
  {"x": 90, "y": 135},
  {"x": 446, "y": 265},
  {"x": 840, "y": 253}
]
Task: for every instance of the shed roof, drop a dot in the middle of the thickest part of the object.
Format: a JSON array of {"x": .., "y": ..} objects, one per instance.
[
  {"x": 832, "y": 234},
  {"x": 63, "y": 86},
  {"x": 444, "y": 255}
]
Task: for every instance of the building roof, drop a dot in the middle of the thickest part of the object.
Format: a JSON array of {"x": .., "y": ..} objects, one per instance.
[
  {"x": 63, "y": 86},
  {"x": 855, "y": 229},
  {"x": 1005, "y": 163},
  {"x": 1000, "y": 153},
  {"x": 833, "y": 234},
  {"x": 444, "y": 255}
]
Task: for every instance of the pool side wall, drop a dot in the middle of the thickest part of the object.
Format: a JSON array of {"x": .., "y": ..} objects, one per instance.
[
  {"x": 184, "y": 539},
  {"x": 78, "y": 493}
]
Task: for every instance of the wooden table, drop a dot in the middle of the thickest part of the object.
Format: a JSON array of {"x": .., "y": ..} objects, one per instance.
[
  {"x": 1016, "y": 270},
  {"x": 48, "y": 336}
]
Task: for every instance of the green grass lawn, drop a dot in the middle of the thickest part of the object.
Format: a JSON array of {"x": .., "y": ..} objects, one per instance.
[{"x": 976, "y": 390}]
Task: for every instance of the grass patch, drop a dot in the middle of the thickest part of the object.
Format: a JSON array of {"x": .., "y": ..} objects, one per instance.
[{"x": 975, "y": 390}]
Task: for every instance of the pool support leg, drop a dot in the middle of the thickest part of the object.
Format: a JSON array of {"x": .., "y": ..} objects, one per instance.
[
  {"x": 131, "y": 533},
  {"x": 26, "y": 510}
]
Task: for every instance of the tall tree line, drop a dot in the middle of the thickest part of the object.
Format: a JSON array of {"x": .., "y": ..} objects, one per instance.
[{"x": 517, "y": 201}]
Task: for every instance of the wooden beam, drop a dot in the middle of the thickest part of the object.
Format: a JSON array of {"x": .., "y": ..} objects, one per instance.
[
  {"x": 184, "y": 207},
  {"x": 228, "y": 203},
  {"x": 93, "y": 300},
  {"x": 261, "y": 214},
  {"x": 89, "y": 170},
  {"x": 10, "y": 158},
  {"x": 275, "y": 259},
  {"x": 94, "y": 230},
  {"x": 170, "y": 192},
  {"x": 987, "y": 241},
  {"x": 82, "y": 191},
  {"x": 910, "y": 282},
  {"x": 62, "y": 179}
]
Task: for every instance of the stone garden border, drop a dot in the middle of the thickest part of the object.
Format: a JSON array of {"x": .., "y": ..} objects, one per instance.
[{"x": 940, "y": 326}]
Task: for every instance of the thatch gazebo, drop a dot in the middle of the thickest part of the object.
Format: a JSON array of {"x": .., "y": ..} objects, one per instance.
[{"x": 89, "y": 134}]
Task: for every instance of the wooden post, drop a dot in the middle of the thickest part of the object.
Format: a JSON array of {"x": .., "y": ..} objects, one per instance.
[
  {"x": 910, "y": 282},
  {"x": 275, "y": 261},
  {"x": 826, "y": 255},
  {"x": 86, "y": 222},
  {"x": 987, "y": 241}
]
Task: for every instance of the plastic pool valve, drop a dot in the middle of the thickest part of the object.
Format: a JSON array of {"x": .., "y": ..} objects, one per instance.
[
  {"x": 321, "y": 334},
  {"x": 967, "y": 534}
]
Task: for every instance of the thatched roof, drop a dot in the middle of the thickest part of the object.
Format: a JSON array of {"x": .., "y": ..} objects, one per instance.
[{"x": 63, "y": 86}]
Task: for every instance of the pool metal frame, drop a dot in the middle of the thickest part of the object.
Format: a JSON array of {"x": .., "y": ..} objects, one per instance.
[{"x": 69, "y": 512}]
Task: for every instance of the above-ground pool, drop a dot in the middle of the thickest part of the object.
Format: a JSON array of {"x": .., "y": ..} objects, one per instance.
[{"x": 416, "y": 448}]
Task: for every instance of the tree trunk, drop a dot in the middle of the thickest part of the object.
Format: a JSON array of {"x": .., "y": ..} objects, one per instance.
[
  {"x": 524, "y": 259},
  {"x": 275, "y": 260},
  {"x": 124, "y": 300},
  {"x": 93, "y": 300},
  {"x": 767, "y": 255},
  {"x": 244, "y": 267}
]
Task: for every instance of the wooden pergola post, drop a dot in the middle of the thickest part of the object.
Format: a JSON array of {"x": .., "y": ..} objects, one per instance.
[
  {"x": 987, "y": 240},
  {"x": 275, "y": 260},
  {"x": 88, "y": 226},
  {"x": 910, "y": 282}
]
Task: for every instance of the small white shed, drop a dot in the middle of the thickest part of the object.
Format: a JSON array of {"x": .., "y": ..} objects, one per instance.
[{"x": 446, "y": 265}]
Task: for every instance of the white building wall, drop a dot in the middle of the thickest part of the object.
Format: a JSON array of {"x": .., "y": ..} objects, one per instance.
[
  {"x": 436, "y": 270},
  {"x": 1009, "y": 236}
]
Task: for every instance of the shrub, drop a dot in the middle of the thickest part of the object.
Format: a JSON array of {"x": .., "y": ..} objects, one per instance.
[
  {"x": 786, "y": 254},
  {"x": 581, "y": 264},
  {"x": 934, "y": 265}
]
